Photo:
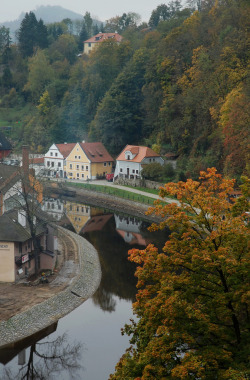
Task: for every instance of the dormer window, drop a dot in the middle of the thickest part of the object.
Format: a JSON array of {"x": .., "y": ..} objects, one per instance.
[{"x": 128, "y": 157}]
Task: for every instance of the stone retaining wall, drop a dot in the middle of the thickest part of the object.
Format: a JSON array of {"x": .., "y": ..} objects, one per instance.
[{"x": 44, "y": 314}]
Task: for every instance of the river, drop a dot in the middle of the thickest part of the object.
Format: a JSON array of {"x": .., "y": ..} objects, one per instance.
[{"x": 87, "y": 343}]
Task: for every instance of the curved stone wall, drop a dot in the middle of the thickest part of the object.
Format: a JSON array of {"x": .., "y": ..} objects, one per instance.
[{"x": 44, "y": 314}]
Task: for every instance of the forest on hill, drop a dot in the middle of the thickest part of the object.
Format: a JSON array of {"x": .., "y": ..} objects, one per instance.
[{"x": 177, "y": 84}]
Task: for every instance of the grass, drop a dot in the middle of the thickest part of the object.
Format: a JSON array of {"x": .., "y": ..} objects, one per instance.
[{"x": 116, "y": 192}]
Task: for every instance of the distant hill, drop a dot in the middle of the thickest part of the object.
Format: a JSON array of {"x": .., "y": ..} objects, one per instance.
[{"x": 48, "y": 14}]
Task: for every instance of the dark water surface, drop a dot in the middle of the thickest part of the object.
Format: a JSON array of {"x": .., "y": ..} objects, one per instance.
[{"x": 87, "y": 343}]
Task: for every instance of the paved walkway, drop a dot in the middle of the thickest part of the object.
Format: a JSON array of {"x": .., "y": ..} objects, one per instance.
[{"x": 130, "y": 189}]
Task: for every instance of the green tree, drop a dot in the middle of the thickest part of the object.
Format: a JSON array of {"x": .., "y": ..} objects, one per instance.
[
  {"x": 192, "y": 303},
  {"x": 40, "y": 75},
  {"x": 31, "y": 34},
  {"x": 118, "y": 120}
]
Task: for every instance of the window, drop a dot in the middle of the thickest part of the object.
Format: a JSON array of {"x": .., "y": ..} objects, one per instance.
[
  {"x": 89, "y": 44},
  {"x": 77, "y": 175},
  {"x": 20, "y": 247},
  {"x": 52, "y": 164},
  {"x": 133, "y": 171},
  {"x": 121, "y": 170},
  {"x": 52, "y": 206},
  {"x": 87, "y": 168},
  {"x": 77, "y": 209},
  {"x": 75, "y": 156},
  {"x": 105, "y": 164},
  {"x": 136, "y": 171},
  {"x": 150, "y": 160},
  {"x": 51, "y": 153},
  {"x": 79, "y": 157},
  {"x": 70, "y": 166},
  {"x": 82, "y": 209},
  {"x": 77, "y": 167},
  {"x": 48, "y": 163},
  {"x": 82, "y": 167},
  {"x": 109, "y": 163},
  {"x": 128, "y": 157},
  {"x": 59, "y": 164},
  {"x": 59, "y": 207},
  {"x": 56, "y": 154},
  {"x": 82, "y": 175}
]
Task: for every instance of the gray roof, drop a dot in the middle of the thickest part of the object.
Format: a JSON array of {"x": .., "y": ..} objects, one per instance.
[
  {"x": 11, "y": 230},
  {"x": 9, "y": 175}
]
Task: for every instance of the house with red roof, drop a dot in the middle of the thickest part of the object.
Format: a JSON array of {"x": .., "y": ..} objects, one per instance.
[
  {"x": 94, "y": 41},
  {"x": 131, "y": 160},
  {"x": 54, "y": 159},
  {"x": 88, "y": 161}
]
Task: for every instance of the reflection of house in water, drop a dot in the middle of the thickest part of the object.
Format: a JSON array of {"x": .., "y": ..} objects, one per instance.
[
  {"x": 129, "y": 229},
  {"x": 96, "y": 223},
  {"x": 54, "y": 207},
  {"x": 78, "y": 214}
]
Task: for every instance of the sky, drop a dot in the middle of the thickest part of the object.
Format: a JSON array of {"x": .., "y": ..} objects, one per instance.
[{"x": 100, "y": 9}]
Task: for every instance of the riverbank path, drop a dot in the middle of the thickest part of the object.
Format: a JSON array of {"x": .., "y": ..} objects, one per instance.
[{"x": 130, "y": 189}]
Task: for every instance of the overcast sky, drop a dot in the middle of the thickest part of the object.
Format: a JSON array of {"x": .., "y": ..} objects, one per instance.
[{"x": 102, "y": 9}]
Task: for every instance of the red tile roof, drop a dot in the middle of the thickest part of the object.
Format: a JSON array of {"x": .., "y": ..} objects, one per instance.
[
  {"x": 65, "y": 149},
  {"x": 104, "y": 36},
  {"x": 96, "y": 152},
  {"x": 140, "y": 151},
  {"x": 36, "y": 160}
]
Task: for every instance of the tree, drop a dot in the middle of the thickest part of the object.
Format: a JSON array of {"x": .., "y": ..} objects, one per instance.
[
  {"x": 153, "y": 171},
  {"x": 192, "y": 303},
  {"x": 40, "y": 74},
  {"x": 88, "y": 21},
  {"x": 31, "y": 34}
]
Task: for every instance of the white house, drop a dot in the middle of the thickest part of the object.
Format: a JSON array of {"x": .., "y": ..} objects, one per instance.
[
  {"x": 131, "y": 160},
  {"x": 54, "y": 159}
]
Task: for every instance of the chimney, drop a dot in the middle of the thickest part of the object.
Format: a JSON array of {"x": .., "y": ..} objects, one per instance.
[{"x": 25, "y": 165}]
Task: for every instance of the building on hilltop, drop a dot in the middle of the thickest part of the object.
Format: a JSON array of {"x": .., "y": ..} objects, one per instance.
[
  {"x": 131, "y": 160},
  {"x": 94, "y": 41}
]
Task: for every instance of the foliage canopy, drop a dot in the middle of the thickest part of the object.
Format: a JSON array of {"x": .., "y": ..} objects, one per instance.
[{"x": 193, "y": 301}]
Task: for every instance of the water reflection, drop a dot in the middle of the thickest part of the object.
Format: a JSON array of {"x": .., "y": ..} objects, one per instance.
[
  {"x": 43, "y": 359},
  {"x": 98, "y": 321}
]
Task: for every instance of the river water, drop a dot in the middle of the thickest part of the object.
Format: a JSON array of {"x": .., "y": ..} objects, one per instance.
[{"x": 87, "y": 343}]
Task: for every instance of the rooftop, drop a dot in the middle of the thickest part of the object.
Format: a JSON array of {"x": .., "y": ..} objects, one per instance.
[{"x": 140, "y": 152}]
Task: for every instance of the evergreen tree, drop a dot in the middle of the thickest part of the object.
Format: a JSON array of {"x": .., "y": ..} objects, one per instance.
[{"x": 31, "y": 34}]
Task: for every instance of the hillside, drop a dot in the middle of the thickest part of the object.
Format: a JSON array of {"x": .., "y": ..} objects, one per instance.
[
  {"x": 48, "y": 13},
  {"x": 179, "y": 84}
]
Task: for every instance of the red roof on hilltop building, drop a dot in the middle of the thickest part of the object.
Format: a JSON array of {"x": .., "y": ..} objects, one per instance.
[{"x": 104, "y": 36}]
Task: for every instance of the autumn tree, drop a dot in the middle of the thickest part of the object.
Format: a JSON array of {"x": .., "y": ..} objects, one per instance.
[{"x": 192, "y": 302}]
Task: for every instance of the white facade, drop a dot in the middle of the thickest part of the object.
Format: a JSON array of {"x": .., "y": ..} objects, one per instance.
[
  {"x": 54, "y": 162},
  {"x": 132, "y": 169}
]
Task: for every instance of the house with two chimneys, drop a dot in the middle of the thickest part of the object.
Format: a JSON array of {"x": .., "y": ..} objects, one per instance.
[
  {"x": 93, "y": 42},
  {"x": 81, "y": 161}
]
